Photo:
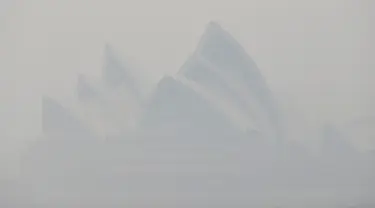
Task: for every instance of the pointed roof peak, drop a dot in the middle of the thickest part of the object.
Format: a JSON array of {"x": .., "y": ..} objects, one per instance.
[
  {"x": 213, "y": 28},
  {"x": 109, "y": 50},
  {"x": 81, "y": 77},
  {"x": 113, "y": 70},
  {"x": 213, "y": 25},
  {"x": 116, "y": 72},
  {"x": 215, "y": 34},
  {"x": 108, "y": 46},
  {"x": 46, "y": 100}
]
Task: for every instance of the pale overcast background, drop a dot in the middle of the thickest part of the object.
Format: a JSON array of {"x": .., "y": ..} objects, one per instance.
[{"x": 317, "y": 56}]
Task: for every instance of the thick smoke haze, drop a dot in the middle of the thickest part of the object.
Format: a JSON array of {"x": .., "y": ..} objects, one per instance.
[
  {"x": 186, "y": 103},
  {"x": 319, "y": 54}
]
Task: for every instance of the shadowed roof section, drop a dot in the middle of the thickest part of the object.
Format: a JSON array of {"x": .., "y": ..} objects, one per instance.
[
  {"x": 220, "y": 60},
  {"x": 85, "y": 90},
  {"x": 116, "y": 73}
]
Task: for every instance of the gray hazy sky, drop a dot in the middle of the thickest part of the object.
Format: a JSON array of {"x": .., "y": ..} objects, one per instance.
[{"x": 317, "y": 55}]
